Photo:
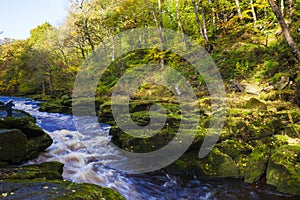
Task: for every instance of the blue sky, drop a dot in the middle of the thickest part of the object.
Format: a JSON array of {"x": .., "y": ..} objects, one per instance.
[{"x": 18, "y": 17}]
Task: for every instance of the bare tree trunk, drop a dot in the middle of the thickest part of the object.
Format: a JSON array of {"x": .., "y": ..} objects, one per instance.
[
  {"x": 291, "y": 10},
  {"x": 204, "y": 21},
  {"x": 238, "y": 9},
  {"x": 253, "y": 12},
  {"x": 285, "y": 30},
  {"x": 282, "y": 7},
  {"x": 179, "y": 22},
  {"x": 159, "y": 26},
  {"x": 43, "y": 86},
  {"x": 197, "y": 19}
]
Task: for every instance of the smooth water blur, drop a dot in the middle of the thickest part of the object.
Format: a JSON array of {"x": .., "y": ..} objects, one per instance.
[{"x": 85, "y": 160}]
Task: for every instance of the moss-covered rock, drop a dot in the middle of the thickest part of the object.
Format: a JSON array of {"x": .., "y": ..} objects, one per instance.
[
  {"x": 12, "y": 145},
  {"x": 47, "y": 170},
  {"x": 44, "y": 181},
  {"x": 234, "y": 148},
  {"x": 26, "y": 125},
  {"x": 284, "y": 169},
  {"x": 254, "y": 103},
  {"x": 254, "y": 166},
  {"x": 21, "y": 139},
  {"x": 55, "y": 107},
  {"x": 36, "y": 145},
  {"x": 15, "y": 147},
  {"x": 215, "y": 165},
  {"x": 293, "y": 130},
  {"x": 55, "y": 190}
]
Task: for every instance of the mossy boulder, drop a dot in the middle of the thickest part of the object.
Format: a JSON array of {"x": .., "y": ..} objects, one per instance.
[
  {"x": 35, "y": 145},
  {"x": 54, "y": 107},
  {"x": 44, "y": 181},
  {"x": 26, "y": 125},
  {"x": 254, "y": 166},
  {"x": 16, "y": 147},
  {"x": 215, "y": 165},
  {"x": 284, "y": 169},
  {"x": 234, "y": 148},
  {"x": 254, "y": 103},
  {"x": 221, "y": 164},
  {"x": 12, "y": 145},
  {"x": 47, "y": 170},
  {"x": 21, "y": 139},
  {"x": 55, "y": 190}
]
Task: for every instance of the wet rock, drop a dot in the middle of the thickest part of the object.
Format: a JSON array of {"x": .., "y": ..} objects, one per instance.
[
  {"x": 35, "y": 145},
  {"x": 26, "y": 125},
  {"x": 55, "y": 189},
  {"x": 44, "y": 181},
  {"x": 21, "y": 139},
  {"x": 47, "y": 170},
  {"x": 12, "y": 145},
  {"x": 15, "y": 147},
  {"x": 284, "y": 169}
]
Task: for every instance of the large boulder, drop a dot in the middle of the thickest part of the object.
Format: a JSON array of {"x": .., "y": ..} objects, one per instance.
[
  {"x": 44, "y": 181},
  {"x": 12, "y": 145},
  {"x": 21, "y": 139},
  {"x": 284, "y": 169},
  {"x": 26, "y": 125}
]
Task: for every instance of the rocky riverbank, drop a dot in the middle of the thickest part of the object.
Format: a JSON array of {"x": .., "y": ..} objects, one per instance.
[
  {"x": 21, "y": 140},
  {"x": 260, "y": 139}
]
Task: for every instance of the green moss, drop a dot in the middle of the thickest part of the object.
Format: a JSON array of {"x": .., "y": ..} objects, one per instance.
[
  {"x": 48, "y": 170},
  {"x": 254, "y": 166},
  {"x": 233, "y": 148},
  {"x": 284, "y": 169},
  {"x": 293, "y": 130},
  {"x": 254, "y": 103},
  {"x": 55, "y": 189},
  {"x": 221, "y": 164}
]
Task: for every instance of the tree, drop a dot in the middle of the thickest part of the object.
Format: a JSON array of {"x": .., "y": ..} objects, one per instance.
[
  {"x": 285, "y": 30},
  {"x": 239, "y": 9}
]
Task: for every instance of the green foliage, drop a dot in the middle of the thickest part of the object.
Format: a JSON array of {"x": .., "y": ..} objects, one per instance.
[{"x": 48, "y": 61}]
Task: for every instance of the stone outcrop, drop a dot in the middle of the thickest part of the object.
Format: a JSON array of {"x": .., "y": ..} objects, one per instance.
[
  {"x": 259, "y": 140},
  {"x": 21, "y": 139},
  {"x": 44, "y": 181}
]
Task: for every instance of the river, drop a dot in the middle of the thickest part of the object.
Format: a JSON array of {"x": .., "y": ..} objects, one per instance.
[{"x": 85, "y": 160}]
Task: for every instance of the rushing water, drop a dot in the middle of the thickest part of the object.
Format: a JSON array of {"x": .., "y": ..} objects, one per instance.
[{"x": 85, "y": 160}]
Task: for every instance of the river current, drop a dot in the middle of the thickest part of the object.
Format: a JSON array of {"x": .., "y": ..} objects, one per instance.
[{"x": 85, "y": 160}]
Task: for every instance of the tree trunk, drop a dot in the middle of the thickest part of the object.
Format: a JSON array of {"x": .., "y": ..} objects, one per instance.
[
  {"x": 204, "y": 21},
  {"x": 43, "y": 86},
  {"x": 285, "y": 30},
  {"x": 159, "y": 26},
  {"x": 179, "y": 22},
  {"x": 253, "y": 12},
  {"x": 291, "y": 10},
  {"x": 197, "y": 19},
  {"x": 239, "y": 9},
  {"x": 282, "y": 7}
]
